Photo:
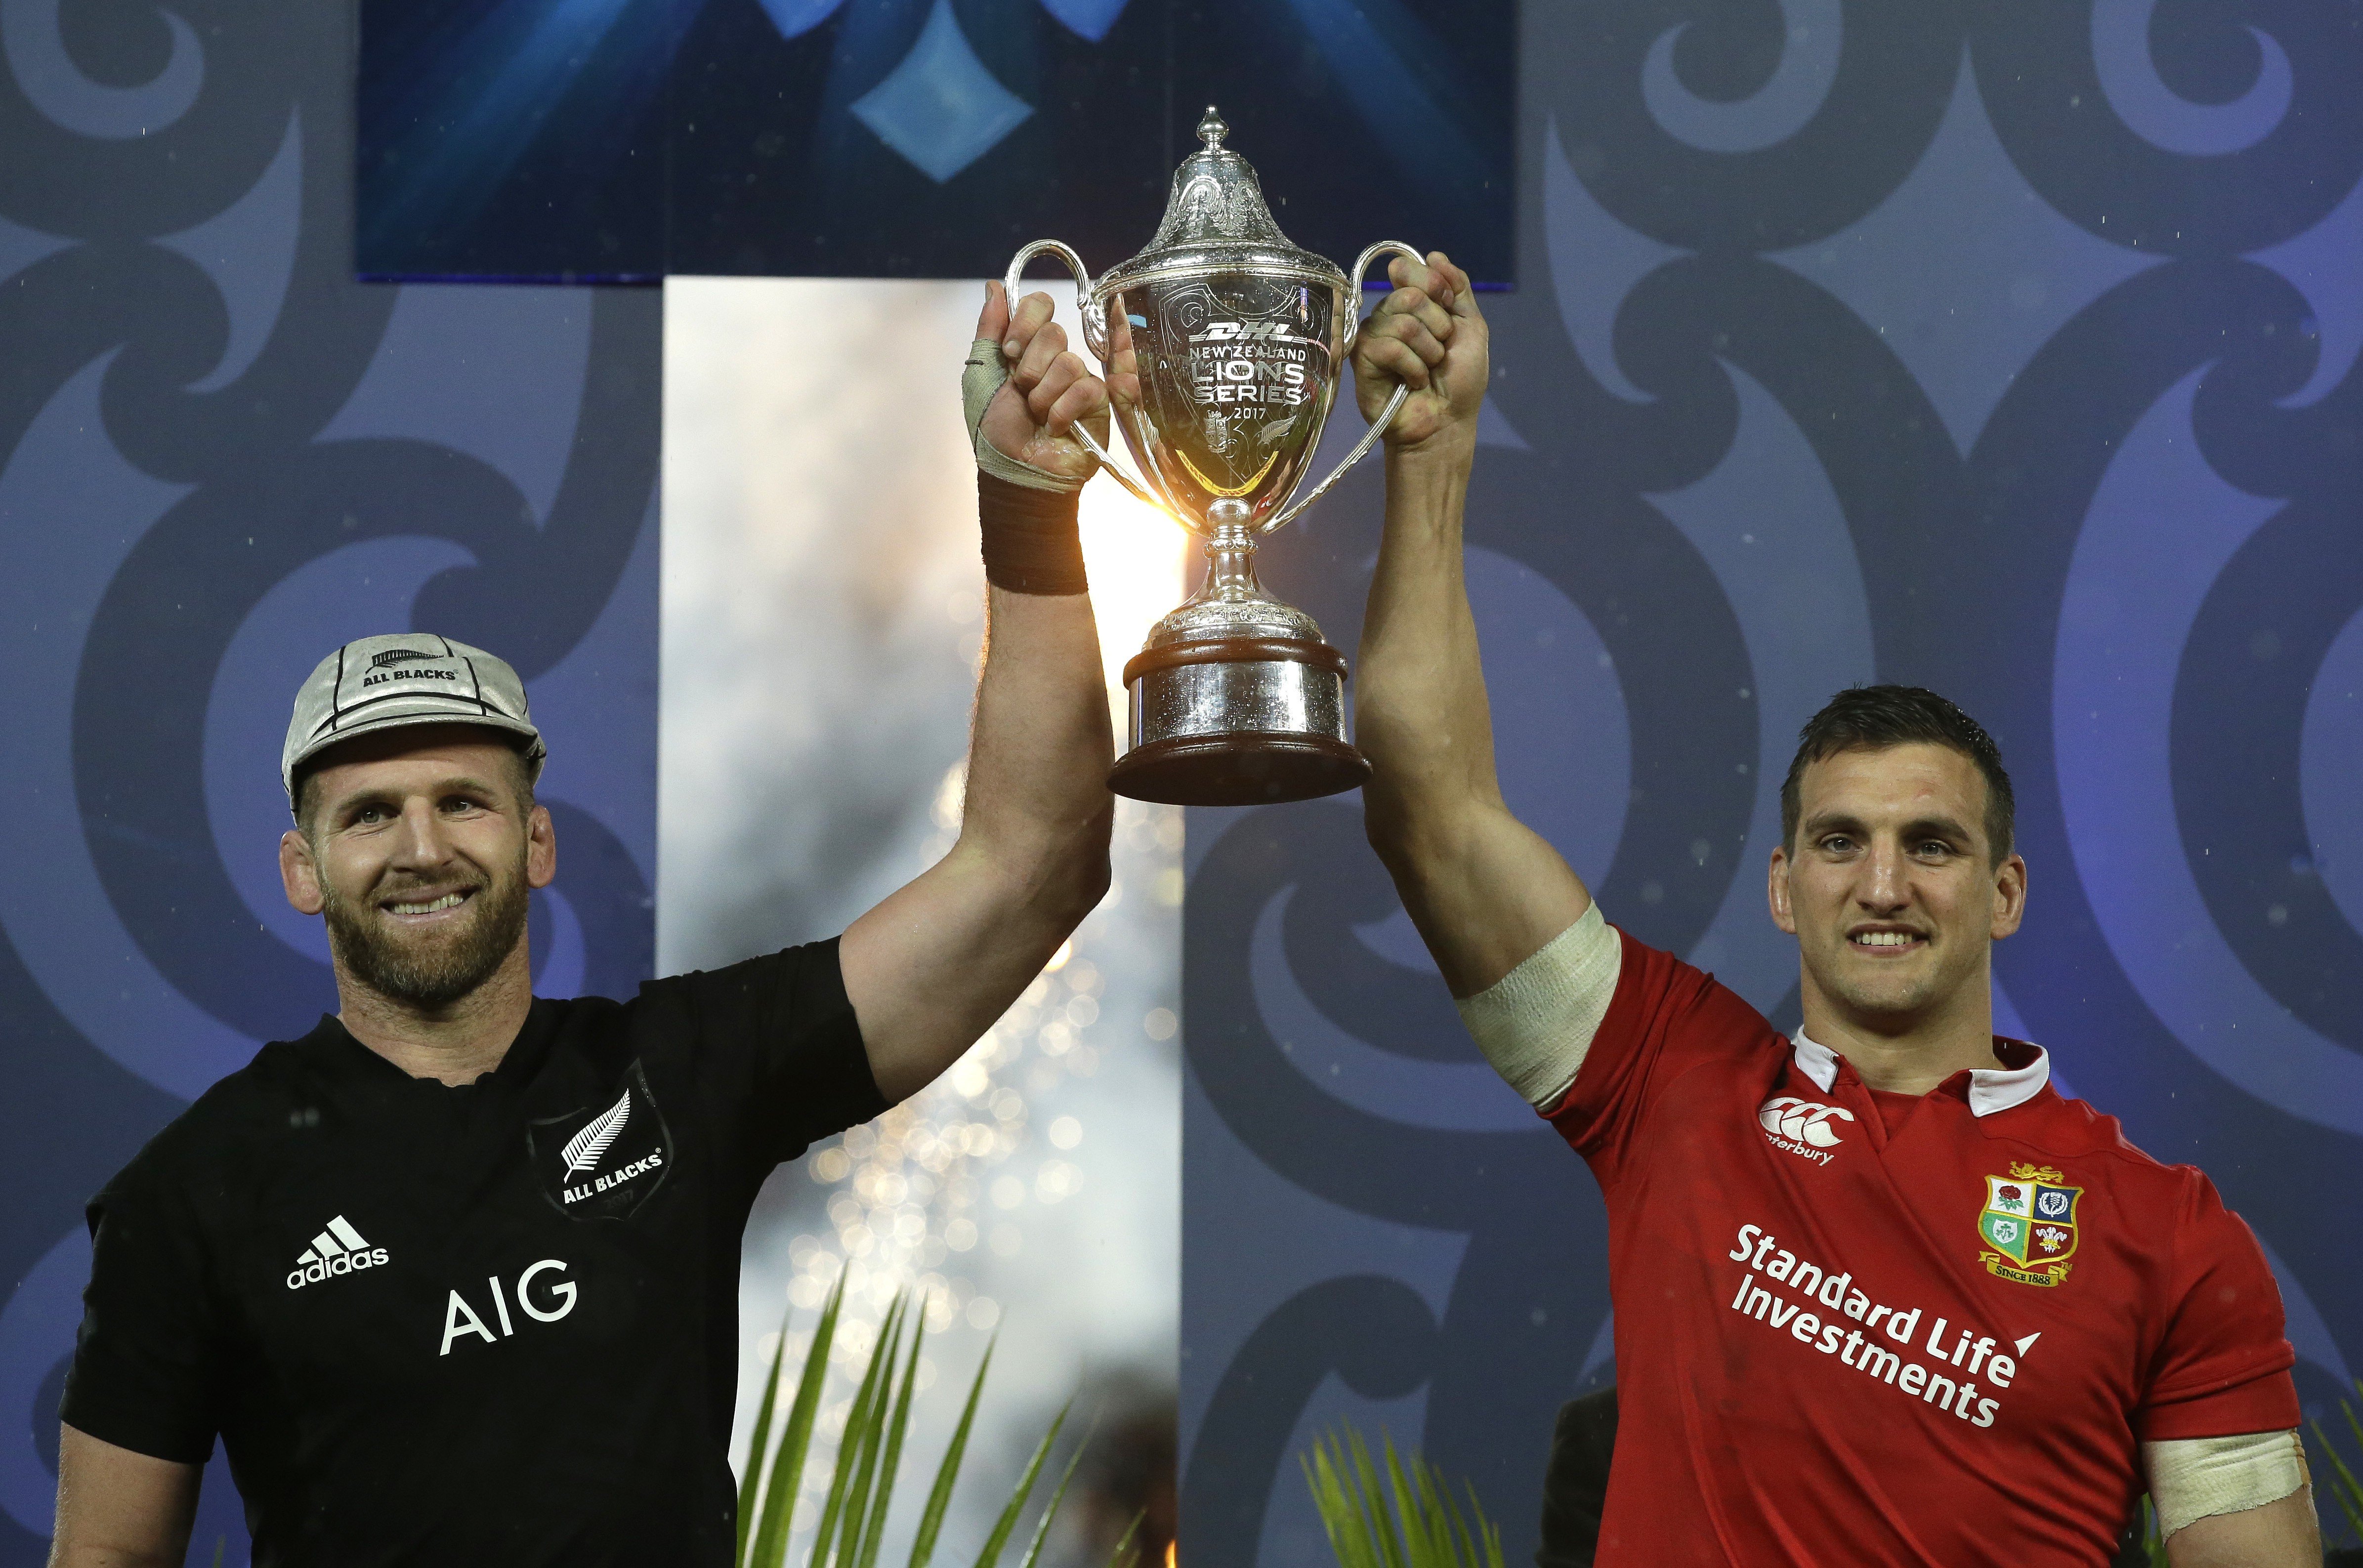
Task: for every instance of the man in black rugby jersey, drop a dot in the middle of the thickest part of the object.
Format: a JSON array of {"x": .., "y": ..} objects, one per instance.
[{"x": 454, "y": 1277}]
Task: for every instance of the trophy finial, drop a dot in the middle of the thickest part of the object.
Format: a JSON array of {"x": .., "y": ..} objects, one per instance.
[{"x": 1212, "y": 130}]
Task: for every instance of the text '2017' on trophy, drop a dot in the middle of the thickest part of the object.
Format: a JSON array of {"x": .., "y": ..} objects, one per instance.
[{"x": 1239, "y": 338}]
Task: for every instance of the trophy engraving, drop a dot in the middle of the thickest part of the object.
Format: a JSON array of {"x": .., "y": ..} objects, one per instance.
[{"x": 1239, "y": 338}]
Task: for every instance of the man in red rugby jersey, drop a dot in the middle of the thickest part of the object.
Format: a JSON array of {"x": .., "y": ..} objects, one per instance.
[{"x": 1884, "y": 1296}]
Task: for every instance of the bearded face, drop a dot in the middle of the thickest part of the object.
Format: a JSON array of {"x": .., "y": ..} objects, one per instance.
[
  {"x": 420, "y": 848},
  {"x": 432, "y": 966}
]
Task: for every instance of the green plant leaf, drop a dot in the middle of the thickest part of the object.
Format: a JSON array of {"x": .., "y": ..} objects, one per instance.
[
  {"x": 917, "y": 1316},
  {"x": 859, "y": 1506},
  {"x": 2339, "y": 1480},
  {"x": 760, "y": 1448},
  {"x": 1124, "y": 1541},
  {"x": 2348, "y": 1490},
  {"x": 1042, "y": 1530},
  {"x": 877, "y": 1387},
  {"x": 991, "y": 1556},
  {"x": 1340, "y": 1519},
  {"x": 939, "y": 1497},
  {"x": 849, "y": 1451},
  {"x": 1374, "y": 1503},
  {"x": 1409, "y": 1518},
  {"x": 2153, "y": 1543},
  {"x": 787, "y": 1468}
]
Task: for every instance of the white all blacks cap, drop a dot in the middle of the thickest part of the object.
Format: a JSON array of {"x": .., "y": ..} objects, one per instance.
[{"x": 408, "y": 678}]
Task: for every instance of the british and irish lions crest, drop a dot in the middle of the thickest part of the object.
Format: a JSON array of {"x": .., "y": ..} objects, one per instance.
[
  {"x": 1239, "y": 339},
  {"x": 2029, "y": 1222}
]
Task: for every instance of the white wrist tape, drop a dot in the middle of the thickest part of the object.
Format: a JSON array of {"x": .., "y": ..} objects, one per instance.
[
  {"x": 1535, "y": 1022},
  {"x": 980, "y": 380},
  {"x": 2193, "y": 1478}
]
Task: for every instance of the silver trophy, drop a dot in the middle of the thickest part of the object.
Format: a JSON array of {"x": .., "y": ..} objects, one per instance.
[{"x": 1240, "y": 338}]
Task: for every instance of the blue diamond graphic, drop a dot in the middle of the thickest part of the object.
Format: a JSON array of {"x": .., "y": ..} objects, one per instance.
[
  {"x": 941, "y": 108},
  {"x": 1086, "y": 19}
]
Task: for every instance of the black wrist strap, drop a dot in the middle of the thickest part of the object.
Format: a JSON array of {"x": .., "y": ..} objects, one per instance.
[{"x": 1032, "y": 542}]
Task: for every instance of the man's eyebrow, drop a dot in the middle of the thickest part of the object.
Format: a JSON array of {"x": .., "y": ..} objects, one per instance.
[
  {"x": 1937, "y": 827},
  {"x": 386, "y": 794},
  {"x": 1830, "y": 822},
  {"x": 367, "y": 795}
]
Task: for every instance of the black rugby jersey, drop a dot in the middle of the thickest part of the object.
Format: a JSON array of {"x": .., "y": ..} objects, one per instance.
[{"x": 492, "y": 1324}]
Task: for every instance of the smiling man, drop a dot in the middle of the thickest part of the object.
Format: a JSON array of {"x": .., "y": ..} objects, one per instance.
[
  {"x": 1882, "y": 1296},
  {"x": 455, "y": 1277}
]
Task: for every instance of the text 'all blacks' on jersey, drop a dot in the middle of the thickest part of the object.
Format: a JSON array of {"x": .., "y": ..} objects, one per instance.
[
  {"x": 605, "y": 1160},
  {"x": 338, "y": 1249}
]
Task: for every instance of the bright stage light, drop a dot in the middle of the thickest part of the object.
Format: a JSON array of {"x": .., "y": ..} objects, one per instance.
[{"x": 1139, "y": 560}]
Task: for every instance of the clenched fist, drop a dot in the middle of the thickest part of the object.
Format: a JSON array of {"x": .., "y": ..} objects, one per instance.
[
  {"x": 1050, "y": 390},
  {"x": 1429, "y": 336}
]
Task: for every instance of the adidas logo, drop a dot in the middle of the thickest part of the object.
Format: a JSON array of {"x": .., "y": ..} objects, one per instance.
[{"x": 338, "y": 1249}]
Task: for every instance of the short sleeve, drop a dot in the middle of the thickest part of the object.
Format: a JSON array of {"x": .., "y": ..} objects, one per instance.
[
  {"x": 2222, "y": 1367},
  {"x": 1665, "y": 1020},
  {"x": 778, "y": 1051},
  {"x": 147, "y": 1362}
]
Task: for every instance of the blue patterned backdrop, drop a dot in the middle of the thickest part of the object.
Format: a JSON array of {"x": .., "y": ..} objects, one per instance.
[
  {"x": 2004, "y": 348},
  {"x": 219, "y": 459},
  {"x": 909, "y": 138}
]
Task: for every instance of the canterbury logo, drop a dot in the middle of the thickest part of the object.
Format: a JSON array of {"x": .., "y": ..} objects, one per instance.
[
  {"x": 338, "y": 1249},
  {"x": 587, "y": 1148},
  {"x": 1802, "y": 1122}
]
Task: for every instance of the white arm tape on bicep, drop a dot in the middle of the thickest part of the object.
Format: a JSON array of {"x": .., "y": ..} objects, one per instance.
[
  {"x": 2192, "y": 1478},
  {"x": 1535, "y": 1022}
]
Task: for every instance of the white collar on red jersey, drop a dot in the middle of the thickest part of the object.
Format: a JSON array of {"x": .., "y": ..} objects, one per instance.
[{"x": 1991, "y": 1089}]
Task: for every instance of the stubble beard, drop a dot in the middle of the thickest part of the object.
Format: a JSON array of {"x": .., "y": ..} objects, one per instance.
[
  {"x": 430, "y": 970},
  {"x": 1893, "y": 998}
]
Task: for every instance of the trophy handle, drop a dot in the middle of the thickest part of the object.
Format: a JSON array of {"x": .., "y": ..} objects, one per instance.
[
  {"x": 1386, "y": 415},
  {"x": 1095, "y": 339}
]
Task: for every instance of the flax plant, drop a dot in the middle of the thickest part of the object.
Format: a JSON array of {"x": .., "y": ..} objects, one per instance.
[
  {"x": 2340, "y": 1480},
  {"x": 868, "y": 1457},
  {"x": 1412, "y": 1523}
]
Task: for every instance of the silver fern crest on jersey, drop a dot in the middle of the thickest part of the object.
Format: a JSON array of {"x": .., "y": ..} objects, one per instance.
[
  {"x": 596, "y": 1163},
  {"x": 585, "y": 1149}
]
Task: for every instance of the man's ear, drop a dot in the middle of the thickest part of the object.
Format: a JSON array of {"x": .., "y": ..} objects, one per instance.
[
  {"x": 1775, "y": 892},
  {"x": 540, "y": 848},
  {"x": 299, "y": 873},
  {"x": 2009, "y": 895}
]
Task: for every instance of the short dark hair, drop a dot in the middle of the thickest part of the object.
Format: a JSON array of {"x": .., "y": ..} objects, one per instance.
[{"x": 1873, "y": 718}]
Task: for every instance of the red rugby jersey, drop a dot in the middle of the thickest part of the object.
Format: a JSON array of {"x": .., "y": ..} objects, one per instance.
[{"x": 1839, "y": 1344}]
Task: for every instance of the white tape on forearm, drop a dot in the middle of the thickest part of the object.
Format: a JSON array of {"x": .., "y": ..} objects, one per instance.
[
  {"x": 2194, "y": 1478},
  {"x": 980, "y": 380},
  {"x": 1535, "y": 1022}
]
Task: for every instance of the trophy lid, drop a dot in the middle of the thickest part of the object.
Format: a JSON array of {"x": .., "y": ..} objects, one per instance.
[{"x": 1216, "y": 216}]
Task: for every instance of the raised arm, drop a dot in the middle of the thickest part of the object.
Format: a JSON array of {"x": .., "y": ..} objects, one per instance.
[
  {"x": 121, "y": 1509},
  {"x": 930, "y": 968},
  {"x": 1485, "y": 892}
]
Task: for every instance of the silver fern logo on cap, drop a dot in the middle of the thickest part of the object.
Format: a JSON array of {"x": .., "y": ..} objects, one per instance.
[{"x": 587, "y": 1148}]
